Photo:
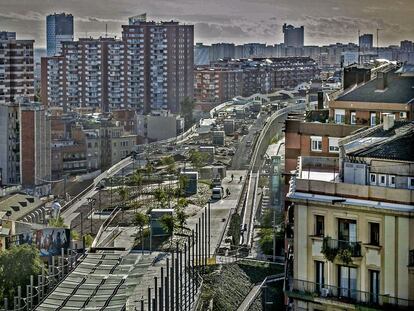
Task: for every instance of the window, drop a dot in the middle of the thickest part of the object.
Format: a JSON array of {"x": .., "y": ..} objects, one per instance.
[
  {"x": 391, "y": 181},
  {"x": 382, "y": 180},
  {"x": 372, "y": 179},
  {"x": 374, "y": 285},
  {"x": 319, "y": 275},
  {"x": 333, "y": 145},
  {"x": 347, "y": 281},
  {"x": 374, "y": 233},
  {"x": 347, "y": 230},
  {"x": 339, "y": 116},
  {"x": 353, "y": 117},
  {"x": 316, "y": 143},
  {"x": 410, "y": 182},
  {"x": 403, "y": 115},
  {"x": 319, "y": 225},
  {"x": 373, "y": 119}
]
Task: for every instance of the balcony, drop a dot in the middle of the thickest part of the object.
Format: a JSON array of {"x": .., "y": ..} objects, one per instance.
[
  {"x": 310, "y": 291},
  {"x": 337, "y": 247}
]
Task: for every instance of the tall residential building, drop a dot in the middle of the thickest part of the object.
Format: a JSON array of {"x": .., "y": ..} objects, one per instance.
[
  {"x": 159, "y": 64},
  {"x": 366, "y": 41},
  {"x": 89, "y": 73},
  {"x": 35, "y": 152},
  {"x": 201, "y": 54},
  {"x": 407, "y": 46},
  {"x": 16, "y": 69},
  {"x": 293, "y": 36},
  {"x": 7, "y": 35},
  {"x": 25, "y": 146},
  {"x": 150, "y": 69},
  {"x": 9, "y": 144},
  {"x": 222, "y": 51},
  {"x": 59, "y": 28}
]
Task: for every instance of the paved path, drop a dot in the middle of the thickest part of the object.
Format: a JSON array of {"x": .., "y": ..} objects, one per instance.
[
  {"x": 220, "y": 209},
  {"x": 249, "y": 298}
]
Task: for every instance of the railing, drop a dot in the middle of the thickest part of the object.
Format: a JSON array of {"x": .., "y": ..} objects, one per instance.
[
  {"x": 309, "y": 290},
  {"x": 353, "y": 247},
  {"x": 411, "y": 258}
]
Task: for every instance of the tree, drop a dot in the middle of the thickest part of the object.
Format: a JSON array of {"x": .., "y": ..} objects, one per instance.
[
  {"x": 182, "y": 203},
  {"x": 88, "y": 240},
  {"x": 197, "y": 158},
  {"x": 266, "y": 241},
  {"x": 136, "y": 179},
  {"x": 57, "y": 222},
  {"x": 123, "y": 193},
  {"x": 161, "y": 197},
  {"x": 181, "y": 217},
  {"x": 167, "y": 223},
  {"x": 171, "y": 170},
  {"x": 187, "y": 108},
  {"x": 170, "y": 163},
  {"x": 149, "y": 167},
  {"x": 141, "y": 220},
  {"x": 183, "y": 184},
  {"x": 17, "y": 264}
]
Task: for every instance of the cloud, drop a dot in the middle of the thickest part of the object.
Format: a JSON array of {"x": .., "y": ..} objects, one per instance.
[
  {"x": 29, "y": 16},
  {"x": 342, "y": 27}
]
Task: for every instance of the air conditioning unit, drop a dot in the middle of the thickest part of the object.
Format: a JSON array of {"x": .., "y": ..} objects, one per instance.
[{"x": 324, "y": 292}]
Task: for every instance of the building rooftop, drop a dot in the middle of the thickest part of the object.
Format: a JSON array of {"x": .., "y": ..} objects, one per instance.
[
  {"x": 400, "y": 89},
  {"x": 396, "y": 143},
  {"x": 346, "y": 201},
  {"x": 103, "y": 281},
  {"x": 18, "y": 205}
]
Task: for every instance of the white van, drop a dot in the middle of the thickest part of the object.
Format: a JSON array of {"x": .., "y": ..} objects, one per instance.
[{"x": 217, "y": 193}]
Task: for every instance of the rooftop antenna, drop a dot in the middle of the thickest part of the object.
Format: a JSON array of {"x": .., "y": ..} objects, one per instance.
[{"x": 359, "y": 47}]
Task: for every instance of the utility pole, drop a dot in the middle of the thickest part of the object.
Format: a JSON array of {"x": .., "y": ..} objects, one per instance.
[{"x": 359, "y": 47}]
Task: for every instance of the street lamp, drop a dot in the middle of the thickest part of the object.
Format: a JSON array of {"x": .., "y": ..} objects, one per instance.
[{"x": 91, "y": 202}]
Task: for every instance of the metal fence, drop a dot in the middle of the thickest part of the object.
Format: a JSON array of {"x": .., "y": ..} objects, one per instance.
[
  {"x": 40, "y": 286},
  {"x": 348, "y": 295}
]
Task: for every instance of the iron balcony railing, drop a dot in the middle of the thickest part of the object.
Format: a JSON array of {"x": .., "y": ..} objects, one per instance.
[
  {"x": 411, "y": 258},
  {"x": 306, "y": 290},
  {"x": 353, "y": 247}
]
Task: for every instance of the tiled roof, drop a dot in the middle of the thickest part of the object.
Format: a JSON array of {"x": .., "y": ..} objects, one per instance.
[
  {"x": 400, "y": 90},
  {"x": 397, "y": 144}
]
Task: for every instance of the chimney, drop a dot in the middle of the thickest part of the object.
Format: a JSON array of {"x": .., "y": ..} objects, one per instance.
[
  {"x": 382, "y": 80},
  {"x": 320, "y": 100},
  {"x": 388, "y": 121}
]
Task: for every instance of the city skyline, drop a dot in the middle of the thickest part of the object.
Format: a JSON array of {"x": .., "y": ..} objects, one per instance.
[{"x": 238, "y": 21}]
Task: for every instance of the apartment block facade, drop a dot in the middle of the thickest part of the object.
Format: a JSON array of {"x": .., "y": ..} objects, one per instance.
[
  {"x": 258, "y": 75},
  {"x": 35, "y": 156},
  {"x": 9, "y": 144},
  {"x": 352, "y": 235},
  {"x": 150, "y": 69},
  {"x": 89, "y": 73},
  {"x": 16, "y": 69},
  {"x": 216, "y": 85},
  {"x": 159, "y": 64}
]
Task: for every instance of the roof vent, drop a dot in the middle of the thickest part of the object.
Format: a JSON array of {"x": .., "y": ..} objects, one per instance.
[{"x": 388, "y": 121}]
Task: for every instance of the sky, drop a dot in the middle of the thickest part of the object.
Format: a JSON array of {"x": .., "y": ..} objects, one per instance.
[{"x": 238, "y": 21}]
